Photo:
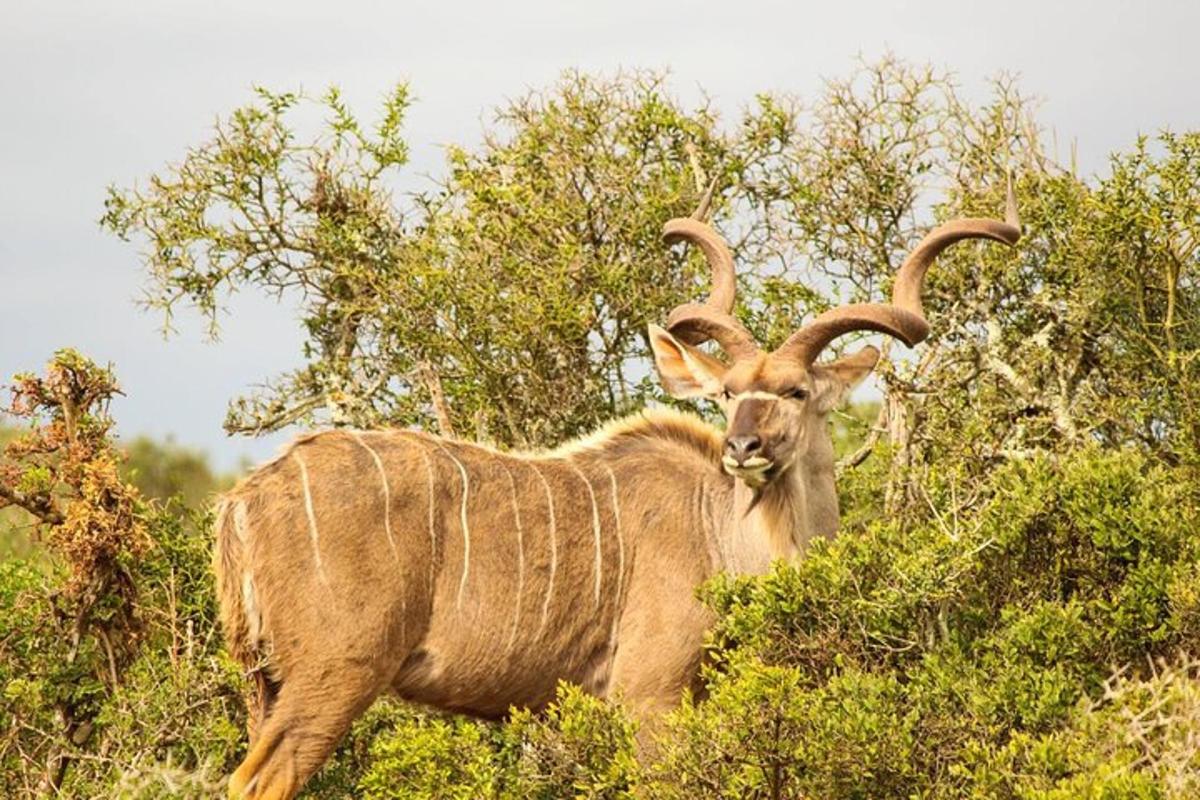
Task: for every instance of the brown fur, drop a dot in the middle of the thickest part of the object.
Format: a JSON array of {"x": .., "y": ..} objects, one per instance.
[{"x": 577, "y": 564}]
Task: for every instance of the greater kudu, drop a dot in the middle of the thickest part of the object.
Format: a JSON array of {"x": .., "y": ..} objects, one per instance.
[{"x": 473, "y": 580}]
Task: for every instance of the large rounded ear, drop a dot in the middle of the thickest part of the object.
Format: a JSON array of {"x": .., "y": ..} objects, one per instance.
[
  {"x": 835, "y": 380},
  {"x": 684, "y": 370}
]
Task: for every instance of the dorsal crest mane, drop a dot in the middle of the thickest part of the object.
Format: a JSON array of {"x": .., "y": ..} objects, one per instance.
[{"x": 657, "y": 424}]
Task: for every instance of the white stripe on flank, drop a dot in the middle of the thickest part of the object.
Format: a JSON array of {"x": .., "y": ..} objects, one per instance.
[
  {"x": 241, "y": 524},
  {"x": 595, "y": 529},
  {"x": 251, "y": 610},
  {"x": 717, "y": 545},
  {"x": 387, "y": 494},
  {"x": 466, "y": 530},
  {"x": 616, "y": 503},
  {"x": 616, "y": 614},
  {"x": 553, "y": 549},
  {"x": 512, "y": 637},
  {"x": 432, "y": 523},
  {"x": 312, "y": 518}
]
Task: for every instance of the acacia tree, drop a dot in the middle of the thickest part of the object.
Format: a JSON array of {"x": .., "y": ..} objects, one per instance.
[
  {"x": 510, "y": 300},
  {"x": 253, "y": 206},
  {"x": 545, "y": 258}
]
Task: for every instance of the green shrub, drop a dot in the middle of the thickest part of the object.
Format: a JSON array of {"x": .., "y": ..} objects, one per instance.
[
  {"x": 767, "y": 732},
  {"x": 1140, "y": 738},
  {"x": 170, "y": 725},
  {"x": 438, "y": 758},
  {"x": 893, "y": 656},
  {"x": 580, "y": 747}
]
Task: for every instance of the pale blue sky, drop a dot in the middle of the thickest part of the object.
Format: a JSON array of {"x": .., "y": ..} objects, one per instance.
[{"x": 94, "y": 93}]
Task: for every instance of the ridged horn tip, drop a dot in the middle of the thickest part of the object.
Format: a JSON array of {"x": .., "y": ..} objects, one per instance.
[{"x": 705, "y": 204}]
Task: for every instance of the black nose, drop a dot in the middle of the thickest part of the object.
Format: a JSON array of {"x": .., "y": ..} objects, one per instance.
[{"x": 743, "y": 447}]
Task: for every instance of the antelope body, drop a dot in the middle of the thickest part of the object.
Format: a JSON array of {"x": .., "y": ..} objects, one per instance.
[{"x": 473, "y": 580}]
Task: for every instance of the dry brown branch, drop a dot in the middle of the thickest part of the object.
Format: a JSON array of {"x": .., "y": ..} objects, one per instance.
[{"x": 433, "y": 383}]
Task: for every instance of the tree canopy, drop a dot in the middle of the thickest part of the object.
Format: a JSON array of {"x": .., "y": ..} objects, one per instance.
[{"x": 511, "y": 298}]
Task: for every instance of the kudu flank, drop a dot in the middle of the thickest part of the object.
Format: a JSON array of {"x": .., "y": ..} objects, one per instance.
[{"x": 470, "y": 579}]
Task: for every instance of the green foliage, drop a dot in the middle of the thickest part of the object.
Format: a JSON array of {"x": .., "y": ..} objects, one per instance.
[
  {"x": 255, "y": 206},
  {"x": 579, "y": 747},
  {"x": 891, "y": 659},
  {"x": 427, "y": 759},
  {"x": 166, "y": 723},
  {"x": 1138, "y": 739},
  {"x": 763, "y": 734},
  {"x": 549, "y": 264}
]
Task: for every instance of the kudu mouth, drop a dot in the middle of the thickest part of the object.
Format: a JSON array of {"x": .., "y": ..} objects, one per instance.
[{"x": 755, "y": 471}]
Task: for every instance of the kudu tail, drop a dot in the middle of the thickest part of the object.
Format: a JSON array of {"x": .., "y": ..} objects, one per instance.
[{"x": 234, "y": 590}]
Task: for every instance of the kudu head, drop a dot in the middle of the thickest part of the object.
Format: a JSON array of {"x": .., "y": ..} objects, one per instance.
[{"x": 777, "y": 402}]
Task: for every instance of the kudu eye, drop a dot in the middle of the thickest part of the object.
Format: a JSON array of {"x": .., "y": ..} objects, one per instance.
[{"x": 797, "y": 394}]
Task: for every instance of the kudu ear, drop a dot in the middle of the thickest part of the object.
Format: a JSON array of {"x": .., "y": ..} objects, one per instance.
[
  {"x": 685, "y": 371},
  {"x": 836, "y": 379}
]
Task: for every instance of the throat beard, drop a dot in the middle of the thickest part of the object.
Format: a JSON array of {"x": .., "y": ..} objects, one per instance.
[
  {"x": 770, "y": 478},
  {"x": 755, "y": 498},
  {"x": 777, "y": 509}
]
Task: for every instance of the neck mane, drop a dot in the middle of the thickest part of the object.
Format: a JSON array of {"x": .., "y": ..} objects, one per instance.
[{"x": 651, "y": 426}]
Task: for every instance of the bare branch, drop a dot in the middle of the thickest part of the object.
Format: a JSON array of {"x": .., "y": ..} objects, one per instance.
[
  {"x": 35, "y": 506},
  {"x": 433, "y": 383},
  {"x": 878, "y": 428}
]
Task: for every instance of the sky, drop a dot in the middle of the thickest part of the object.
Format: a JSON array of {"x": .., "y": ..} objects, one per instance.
[{"x": 93, "y": 94}]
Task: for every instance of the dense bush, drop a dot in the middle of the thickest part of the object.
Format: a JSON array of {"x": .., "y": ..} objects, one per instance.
[
  {"x": 578, "y": 747},
  {"x": 929, "y": 658},
  {"x": 1139, "y": 738},
  {"x": 168, "y": 725}
]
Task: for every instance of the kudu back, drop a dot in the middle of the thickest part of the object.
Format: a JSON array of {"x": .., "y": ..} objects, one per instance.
[{"x": 473, "y": 580}]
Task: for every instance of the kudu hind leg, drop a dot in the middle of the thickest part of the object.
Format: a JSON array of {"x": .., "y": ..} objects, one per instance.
[{"x": 309, "y": 718}]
